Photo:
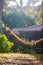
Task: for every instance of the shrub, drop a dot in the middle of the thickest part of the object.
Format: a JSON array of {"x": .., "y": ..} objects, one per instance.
[{"x": 5, "y": 44}]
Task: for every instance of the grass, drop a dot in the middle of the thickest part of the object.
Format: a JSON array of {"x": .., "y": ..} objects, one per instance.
[
  {"x": 9, "y": 55},
  {"x": 14, "y": 54}
]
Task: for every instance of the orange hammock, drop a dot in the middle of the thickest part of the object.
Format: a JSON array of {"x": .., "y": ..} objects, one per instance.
[{"x": 21, "y": 40}]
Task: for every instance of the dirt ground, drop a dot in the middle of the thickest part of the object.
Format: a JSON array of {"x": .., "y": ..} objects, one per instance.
[{"x": 17, "y": 59}]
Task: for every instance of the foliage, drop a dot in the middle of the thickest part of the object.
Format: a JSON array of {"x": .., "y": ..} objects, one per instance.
[
  {"x": 39, "y": 16},
  {"x": 5, "y": 44},
  {"x": 17, "y": 17},
  {"x": 11, "y": 16}
]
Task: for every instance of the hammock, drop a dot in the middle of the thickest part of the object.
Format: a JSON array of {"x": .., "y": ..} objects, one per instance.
[{"x": 21, "y": 40}]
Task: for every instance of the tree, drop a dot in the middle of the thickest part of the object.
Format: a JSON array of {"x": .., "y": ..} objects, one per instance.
[
  {"x": 5, "y": 44},
  {"x": 1, "y": 15}
]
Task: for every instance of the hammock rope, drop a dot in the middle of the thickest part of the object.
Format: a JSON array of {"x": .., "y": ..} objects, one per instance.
[{"x": 21, "y": 40}]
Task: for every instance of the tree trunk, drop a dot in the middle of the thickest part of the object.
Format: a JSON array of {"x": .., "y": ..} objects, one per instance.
[{"x": 1, "y": 6}]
